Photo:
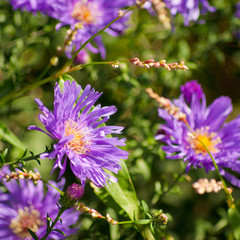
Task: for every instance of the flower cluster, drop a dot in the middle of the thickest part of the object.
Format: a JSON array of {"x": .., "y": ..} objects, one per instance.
[
  {"x": 208, "y": 127},
  {"x": 93, "y": 15},
  {"x": 34, "y": 176},
  {"x": 237, "y": 14},
  {"x": 26, "y": 206},
  {"x": 157, "y": 64},
  {"x": 78, "y": 127},
  {"x": 203, "y": 185},
  {"x": 190, "y": 9}
]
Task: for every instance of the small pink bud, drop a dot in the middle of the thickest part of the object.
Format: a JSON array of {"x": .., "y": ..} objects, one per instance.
[{"x": 75, "y": 191}]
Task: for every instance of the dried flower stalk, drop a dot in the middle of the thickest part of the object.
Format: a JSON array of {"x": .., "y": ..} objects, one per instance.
[
  {"x": 35, "y": 176},
  {"x": 94, "y": 213},
  {"x": 167, "y": 105},
  {"x": 203, "y": 185},
  {"x": 162, "y": 13},
  {"x": 162, "y": 63}
]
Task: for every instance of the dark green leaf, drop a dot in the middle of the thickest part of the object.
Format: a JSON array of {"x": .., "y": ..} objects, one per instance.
[
  {"x": 57, "y": 230},
  {"x": 2, "y": 160},
  {"x": 32, "y": 234},
  {"x": 123, "y": 193},
  {"x": 234, "y": 219}
]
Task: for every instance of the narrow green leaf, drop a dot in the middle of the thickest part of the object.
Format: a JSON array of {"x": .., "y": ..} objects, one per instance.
[
  {"x": 35, "y": 237},
  {"x": 122, "y": 192},
  {"x": 10, "y": 137},
  {"x": 49, "y": 220},
  {"x": 143, "y": 221},
  {"x": 57, "y": 230},
  {"x": 5, "y": 152},
  {"x": 2, "y": 160},
  {"x": 145, "y": 206},
  {"x": 234, "y": 219}
]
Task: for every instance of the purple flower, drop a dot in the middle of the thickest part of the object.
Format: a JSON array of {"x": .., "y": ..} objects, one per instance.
[
  {"x": 91, "y": 14},
  {"x": 190, "y": 9},
  {"x": 221, "y": 139},
  {"x": 237, "y": 14},
  {"x": 30, "y": 5},
  {"x": 25, "y": 205},
  {"x": 77, "y": 126},
  {"x": 75, "y": 191},
  {"x": 191, "y": 88}
]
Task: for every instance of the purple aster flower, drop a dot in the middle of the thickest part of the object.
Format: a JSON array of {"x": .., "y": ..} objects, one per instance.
[
  {"x": 93, "y": 15},
  {"x": 191, "y": 88},
  {"x": 25, "y": 205},
  {"x": 30, "y": 5},
  {"x": 190, "y": 9},
  {"x": 76, "y": 125},
  {"x": 222, "y": 139},
  {"x": 237, "y": 14}
]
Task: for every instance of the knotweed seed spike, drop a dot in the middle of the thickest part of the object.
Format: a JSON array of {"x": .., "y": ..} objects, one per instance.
[
  {"x": 162, "y": 63},
  {"x": 167, "y": 105},
  {"x": 94, "y": 213},
  {"x": 163, "y": 15},
  {"x": 35, "y": 176},
  {"x": 203, "y": 185}
]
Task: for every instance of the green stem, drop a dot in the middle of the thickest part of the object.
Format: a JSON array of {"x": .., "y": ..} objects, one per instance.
[
  {"x": 98, "y": 33},
  {"x": 61, "y": 210},
  {"x": 170, "y": 186},
  {"x": 229, "y": 195},
  {"x": 63, "y": 70},
  {"x": 23, "y": 159},
  {"x": 61, "y": 192}
]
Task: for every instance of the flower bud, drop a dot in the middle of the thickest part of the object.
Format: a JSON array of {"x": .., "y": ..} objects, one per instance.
[{"x": 75, "y": 191}]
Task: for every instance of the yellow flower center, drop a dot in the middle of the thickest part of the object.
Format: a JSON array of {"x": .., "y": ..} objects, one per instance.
[
  {"x": 26, "y": 218},
  {"x": 80, "y": 143},
  {"x": 210, "y": 140},
  {"x": 82, "y": 13}
]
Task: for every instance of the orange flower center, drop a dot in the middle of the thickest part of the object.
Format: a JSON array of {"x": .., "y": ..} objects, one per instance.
[
  {"x": 26, "y": 218},
  {"x": 80, "y": 143},
  {"x": 210, "y": 140},
  {"x": 82, "y": 13}
]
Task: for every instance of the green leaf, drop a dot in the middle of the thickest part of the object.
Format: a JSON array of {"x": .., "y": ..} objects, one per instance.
[
  {"x": 57, "y": 230},
  {"x": 2, "y": 160},
  {"x": 10, "y": 137},
  {"x": 63, "y": 78},
  {"x": 35, "y": 237},
  {"x": 234, "y": 219},
  {"x": 145, "y": 206},
  {"x": 49, "y": 220},
  {"x": 122, "y": 192},
  {"x": 143, "y": 221}
]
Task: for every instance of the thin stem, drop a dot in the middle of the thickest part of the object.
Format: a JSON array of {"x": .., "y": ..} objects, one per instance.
[
  {"x": 98, "y": 33},
  {"x": 229, "y": 195},
  {"x": 61, "y": 210},
  {"x": 170, "y": 186},
  {"x": 62, "y": 71},
  {"x": 61, "y": 192},
  {"x": 23, "y": 159}
]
